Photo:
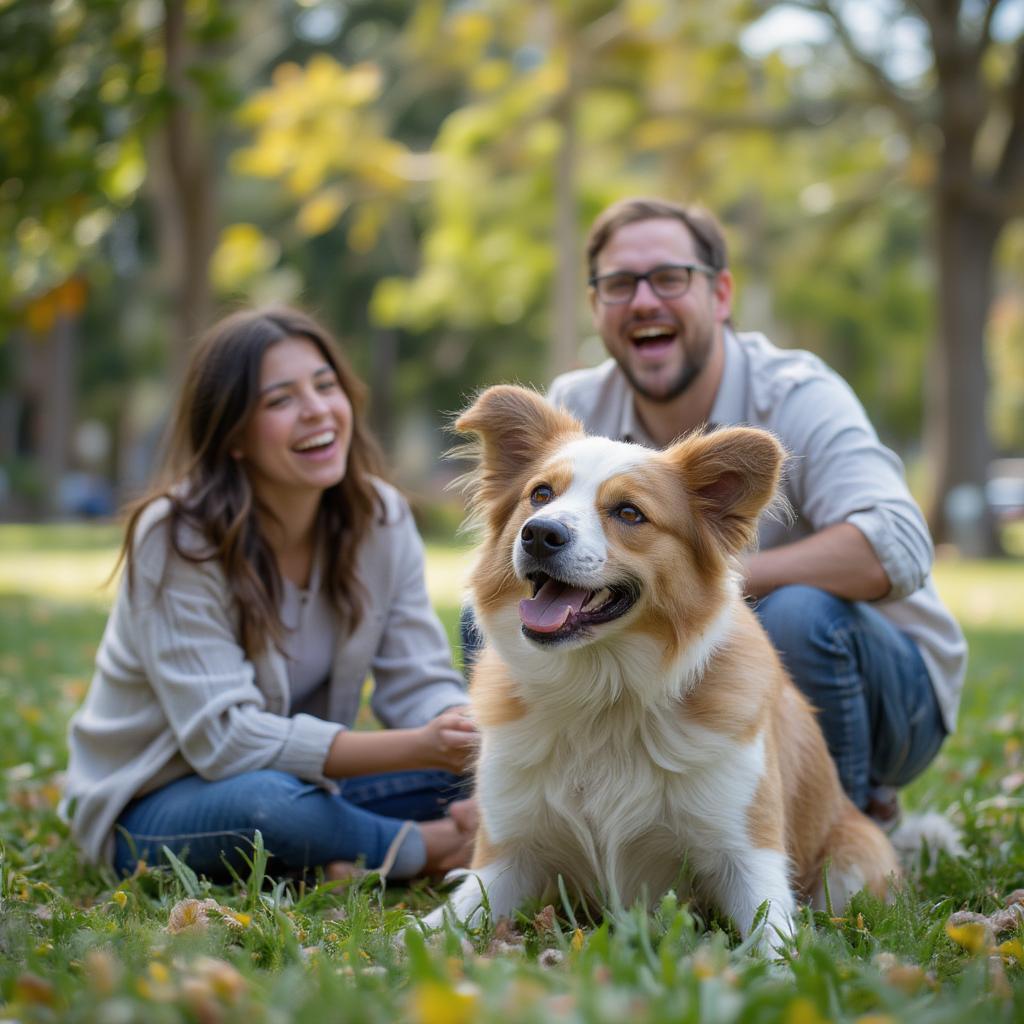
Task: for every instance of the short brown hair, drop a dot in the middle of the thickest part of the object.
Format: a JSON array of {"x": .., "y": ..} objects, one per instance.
[{"x": 706, "y": 231}]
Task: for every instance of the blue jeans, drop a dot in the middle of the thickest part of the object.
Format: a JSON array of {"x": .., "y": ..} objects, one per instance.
[
  {"x": 867, "y": 680},
  {"x": 875, "y": 700},
  {"x": 206, "y": 823}
]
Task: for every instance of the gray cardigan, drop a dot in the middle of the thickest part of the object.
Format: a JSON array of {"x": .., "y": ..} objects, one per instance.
[{"x": 174, "y": 693}]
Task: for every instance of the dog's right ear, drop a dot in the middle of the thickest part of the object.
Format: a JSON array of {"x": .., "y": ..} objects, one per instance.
[{"x": 514, "y": 427}]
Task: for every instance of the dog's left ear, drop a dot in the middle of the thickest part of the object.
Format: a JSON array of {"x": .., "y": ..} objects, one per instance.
[
  {"x": 514, "y": 426},
  {"x": 731, "y": 475}
]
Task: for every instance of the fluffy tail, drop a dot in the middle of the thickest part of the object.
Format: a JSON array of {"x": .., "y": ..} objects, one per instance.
[
  {"x": 859, "y": 856},
  {"x": 931, "y": 831}
]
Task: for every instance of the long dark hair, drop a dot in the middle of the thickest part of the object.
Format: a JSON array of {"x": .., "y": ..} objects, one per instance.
[{"x": 210, "y": 495}]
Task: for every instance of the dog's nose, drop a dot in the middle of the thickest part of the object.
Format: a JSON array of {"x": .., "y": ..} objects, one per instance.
[{"x": 543, "y": 538}]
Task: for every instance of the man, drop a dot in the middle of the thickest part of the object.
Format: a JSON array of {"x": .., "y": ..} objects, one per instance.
[{"x": 844, "y": 589}]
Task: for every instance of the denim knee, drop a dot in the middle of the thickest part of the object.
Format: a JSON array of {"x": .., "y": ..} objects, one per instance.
[
  {"x": 798, "y": 616},
  {"x": 271, "y": 804}
]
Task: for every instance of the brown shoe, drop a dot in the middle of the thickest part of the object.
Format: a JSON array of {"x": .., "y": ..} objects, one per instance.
[{"x": 884, "y": 807}]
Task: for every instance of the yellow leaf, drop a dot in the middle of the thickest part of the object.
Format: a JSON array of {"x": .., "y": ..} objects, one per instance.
[
  {"x": 434, "y": 1002},
  {"x": 242, "y": 253},
  {"x": 125, "y": 171},
  {"x": 577, "y": 940},
  {"x": 643, "y": 14},
  {"x": 471, "y": 30},
  {"x": 364, "y": 83},
  {"x": 971, "y": 936},
  {"x": 365, "y": 228},
  {"x": 490, "y": 75},
  {"x": 321, "y": 213}
]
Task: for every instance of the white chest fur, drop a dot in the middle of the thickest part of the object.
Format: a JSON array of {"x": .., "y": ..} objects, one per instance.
[{"x": 615, "y": 801}]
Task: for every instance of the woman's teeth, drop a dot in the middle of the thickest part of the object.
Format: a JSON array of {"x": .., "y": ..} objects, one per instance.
[{"x": 317, "y": 441}]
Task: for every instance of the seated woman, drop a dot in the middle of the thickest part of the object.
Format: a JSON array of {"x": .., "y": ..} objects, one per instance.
[{"x": 269, "y": 572}]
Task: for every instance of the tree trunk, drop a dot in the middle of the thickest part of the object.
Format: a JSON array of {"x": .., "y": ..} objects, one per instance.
[
  {"x": 956, "y": 429},
  {"x": 183, "y": 182},
  {"x": 55, "y": 383},
  {"x": 565, "y": 342}
]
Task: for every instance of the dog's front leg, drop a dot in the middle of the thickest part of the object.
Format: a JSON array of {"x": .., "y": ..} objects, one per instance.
[
  {"x": 498, "y": 888},
  {"x": 739, "y": 881}
]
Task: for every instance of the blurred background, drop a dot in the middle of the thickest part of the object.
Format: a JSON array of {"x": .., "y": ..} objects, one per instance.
[{"x": 420, "y": 175}]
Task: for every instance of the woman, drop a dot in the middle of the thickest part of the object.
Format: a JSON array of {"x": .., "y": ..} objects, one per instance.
[{"x": 266, "y": 575}]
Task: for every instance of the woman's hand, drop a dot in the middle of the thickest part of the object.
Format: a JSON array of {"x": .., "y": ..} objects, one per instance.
[
  {"x": 450, "y": 741},
  {"x": 447, "y": 742}
]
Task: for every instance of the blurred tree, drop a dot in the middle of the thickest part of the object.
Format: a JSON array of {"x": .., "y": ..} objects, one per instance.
[
  {"x": 102, "y": 102},
  {"x": 952, "y": 73}
]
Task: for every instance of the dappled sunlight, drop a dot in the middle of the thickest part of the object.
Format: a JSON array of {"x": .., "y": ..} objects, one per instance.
[{"x": 983, "y": 594}]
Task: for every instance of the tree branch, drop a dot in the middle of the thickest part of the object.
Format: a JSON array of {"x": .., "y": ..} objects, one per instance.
[
  {"x": 985, "y": 34},
  {"x": 888, "y": 89}
]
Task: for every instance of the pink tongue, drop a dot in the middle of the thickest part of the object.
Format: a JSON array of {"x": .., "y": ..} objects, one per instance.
[{"x": 551, "y": 608}]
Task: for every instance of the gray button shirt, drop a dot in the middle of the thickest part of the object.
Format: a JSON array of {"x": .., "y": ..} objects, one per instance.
[{"x": 838, "y": 471}]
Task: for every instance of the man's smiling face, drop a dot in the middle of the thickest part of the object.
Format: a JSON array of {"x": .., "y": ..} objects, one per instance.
[{"x": 662, "y": 345}]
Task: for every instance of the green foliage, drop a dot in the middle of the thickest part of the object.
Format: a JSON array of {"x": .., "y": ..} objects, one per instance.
[{"x": 78, "y": 945}]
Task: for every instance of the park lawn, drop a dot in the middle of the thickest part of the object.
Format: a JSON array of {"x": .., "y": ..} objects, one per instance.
[{"x": 78, "y": 945}]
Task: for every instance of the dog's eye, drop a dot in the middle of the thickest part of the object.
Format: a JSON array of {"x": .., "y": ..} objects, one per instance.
[
  {"x": 541, "y": 495},
  {"x": 629, "y": 514}
]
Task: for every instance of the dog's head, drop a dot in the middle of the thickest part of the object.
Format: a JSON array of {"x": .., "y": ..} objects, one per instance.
[{"x": 586, "y": 537}]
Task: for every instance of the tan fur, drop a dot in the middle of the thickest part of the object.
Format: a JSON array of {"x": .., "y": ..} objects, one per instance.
[
  {"x": 484, "y": 851},
  {"x": 700, "y": 500},
  {"x": 495, "y": 701}
]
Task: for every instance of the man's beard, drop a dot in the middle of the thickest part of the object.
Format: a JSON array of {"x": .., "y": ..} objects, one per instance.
[{"x": 690, "y": 371}]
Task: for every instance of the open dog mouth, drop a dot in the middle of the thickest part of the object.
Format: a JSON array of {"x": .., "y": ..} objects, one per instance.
[{"x": 560, "y": 611}]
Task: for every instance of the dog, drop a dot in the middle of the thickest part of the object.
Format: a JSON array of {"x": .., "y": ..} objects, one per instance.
[{"x": 634, "y": 718}]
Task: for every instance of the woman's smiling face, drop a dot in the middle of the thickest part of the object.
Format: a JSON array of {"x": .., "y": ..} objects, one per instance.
[{"x": 297, "y": 439}]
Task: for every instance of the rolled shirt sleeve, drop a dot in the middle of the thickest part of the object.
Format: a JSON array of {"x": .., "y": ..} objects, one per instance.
[{"x": 843, "y": 473}]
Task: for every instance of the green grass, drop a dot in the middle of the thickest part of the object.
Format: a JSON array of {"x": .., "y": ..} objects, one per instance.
[{"x": 76, "y": 944}]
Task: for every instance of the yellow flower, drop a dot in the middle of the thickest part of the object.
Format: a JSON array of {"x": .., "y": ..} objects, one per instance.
[
  {"x": 1012, "y": 948},
  {"x": 972, "y": 936},
  {"x": 436, "y": 1002},
  {"x": 225, "y": 980},
  {"x": 803, "y": 1011},
  {"x": 102, "y": 971},
  {"x": 159, "y": 972},
  {"x": 577, "y": 940},
  {"x": 235, "y": 918},
  {"x": 120, "y": 897}
]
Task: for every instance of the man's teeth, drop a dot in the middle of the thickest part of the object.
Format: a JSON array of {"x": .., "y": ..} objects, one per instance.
[
  {"x": 642, "y": 333},
  {"x": 317, "y": 441},
  {"x": 597, "y": 598}
]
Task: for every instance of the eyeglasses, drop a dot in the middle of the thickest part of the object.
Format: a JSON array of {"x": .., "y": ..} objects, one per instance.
[{"x": 669, "y": 281}]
